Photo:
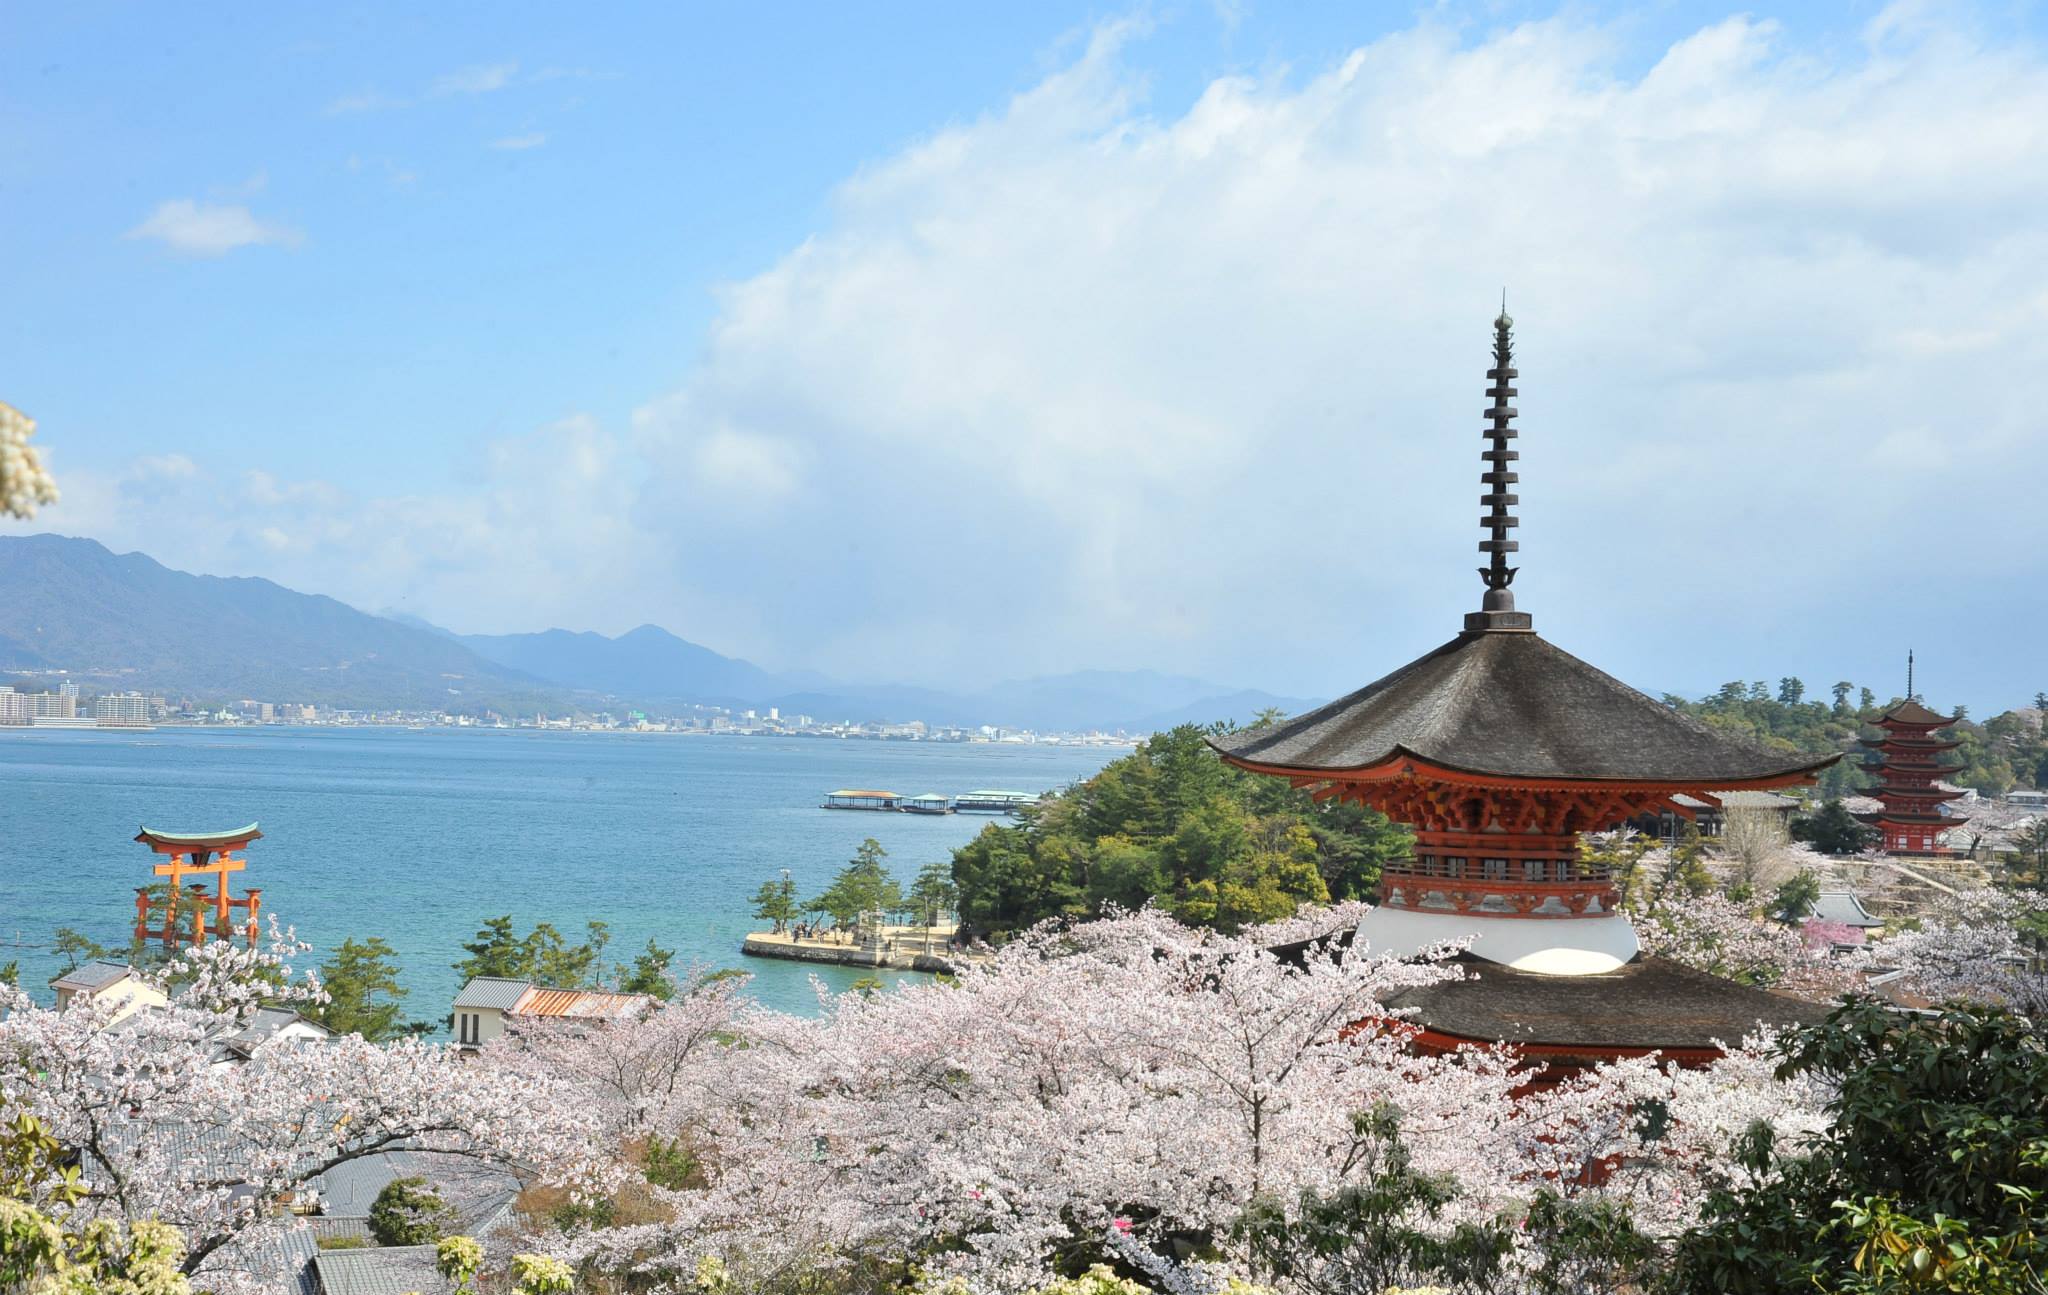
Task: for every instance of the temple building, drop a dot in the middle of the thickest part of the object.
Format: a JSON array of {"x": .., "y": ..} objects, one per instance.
[
  {"x": 1500, "y": 749},
  {"x": 1907, "y": 765}
]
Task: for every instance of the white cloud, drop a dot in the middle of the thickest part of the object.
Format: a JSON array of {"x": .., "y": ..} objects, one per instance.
[
  {"x": 1083, "y": 383},
  {"x": 519, "y": 143},
  {"x": 481, "y": 79},
  {"x": 211, "y": 229}
]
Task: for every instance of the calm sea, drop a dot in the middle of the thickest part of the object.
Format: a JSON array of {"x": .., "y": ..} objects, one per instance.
[{"x": 419, "y": 836}]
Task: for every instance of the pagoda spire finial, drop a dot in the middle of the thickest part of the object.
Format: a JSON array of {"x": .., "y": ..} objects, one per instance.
[
  {"x": 1909, "y": 674},
  {"x": 1497, "y": 611}
]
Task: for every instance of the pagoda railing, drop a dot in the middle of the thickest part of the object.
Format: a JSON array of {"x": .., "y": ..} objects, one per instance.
[{"x": 1498, "y": 897}]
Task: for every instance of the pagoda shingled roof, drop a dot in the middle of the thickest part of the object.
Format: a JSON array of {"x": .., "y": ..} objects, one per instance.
[
  {"x": 1508, "y": 703},
  {"x": 1911, "y": 713},
  {"x": 1648, "y": 1003}
]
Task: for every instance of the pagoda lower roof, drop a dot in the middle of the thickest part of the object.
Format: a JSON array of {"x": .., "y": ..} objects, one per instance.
[
  {"x": 1508, "y": 704},
  {"x": 1894, "y": 742},
  {"x": 1649, "y": 1003},
  {"x": 201, "y": 840}
]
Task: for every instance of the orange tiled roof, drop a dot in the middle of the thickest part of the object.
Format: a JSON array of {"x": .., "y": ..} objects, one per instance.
[{"x": 539, "y": 1001}]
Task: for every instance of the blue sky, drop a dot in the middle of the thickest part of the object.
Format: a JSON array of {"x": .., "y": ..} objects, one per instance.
[{"x": 786, "y": 328}]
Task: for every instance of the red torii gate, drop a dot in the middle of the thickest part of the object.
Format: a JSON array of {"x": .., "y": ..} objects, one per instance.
[{"x": 198, "y": 854}]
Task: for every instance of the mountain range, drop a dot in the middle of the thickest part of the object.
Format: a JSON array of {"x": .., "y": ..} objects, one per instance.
[{"x": 125, "y": 621}]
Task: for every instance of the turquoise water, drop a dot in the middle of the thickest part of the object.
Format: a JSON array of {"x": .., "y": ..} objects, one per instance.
[{"x": 419, "y": 836}]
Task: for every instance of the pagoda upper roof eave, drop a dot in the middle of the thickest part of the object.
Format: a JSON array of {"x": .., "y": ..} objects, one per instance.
[
  {"x": 1893, "y": 743},
  {"x": 1402, "y": 763},
  {"x": 199, "y": 840},
  {"x": 1911, "y": 714}
]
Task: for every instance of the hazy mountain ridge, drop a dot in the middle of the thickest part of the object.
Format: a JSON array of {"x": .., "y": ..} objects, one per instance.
[{"x": 125, "y": 621}]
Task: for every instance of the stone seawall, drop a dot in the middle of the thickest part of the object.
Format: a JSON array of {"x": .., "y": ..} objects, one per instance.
[{"x": 845, "y": 955}]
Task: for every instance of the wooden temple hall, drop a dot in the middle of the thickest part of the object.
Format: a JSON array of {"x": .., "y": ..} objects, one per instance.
[
  {"x": 187, "y": 912},
  {"x": 1500, "y": 749}
]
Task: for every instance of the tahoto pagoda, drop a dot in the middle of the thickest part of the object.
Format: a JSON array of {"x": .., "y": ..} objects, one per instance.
[
  {"x": 1500, "y": 749},
  {"x": 1907, "y": 764},
  {"x": 195, "y": 915}
]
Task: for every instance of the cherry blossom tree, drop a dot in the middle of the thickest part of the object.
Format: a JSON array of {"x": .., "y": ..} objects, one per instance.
[
  {"x": 1122, "y": 1084},
  {"x": 167, "y": 1132},
  {"x": 1969, "y": 946},
  {"x": 24, "y": 483}
]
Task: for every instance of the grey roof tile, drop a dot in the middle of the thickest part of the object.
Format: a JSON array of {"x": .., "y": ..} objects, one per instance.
[
  {"x": 492, "y": 992},
  {"x": 386, "y": 1270},
  {"x": 1511, "y": 704},
  {"x": 92, "y": 976}
]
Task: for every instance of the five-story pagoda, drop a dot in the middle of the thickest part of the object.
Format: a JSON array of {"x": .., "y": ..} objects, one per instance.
[
  {"x": 1907, "y": 765},
  {"x": 1500, "y": 749}
]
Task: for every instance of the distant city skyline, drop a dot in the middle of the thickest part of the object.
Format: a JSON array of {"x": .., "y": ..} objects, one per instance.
[{"x": 920, "y": 348}]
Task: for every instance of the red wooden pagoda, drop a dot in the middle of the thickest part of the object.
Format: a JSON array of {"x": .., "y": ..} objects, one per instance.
[
  {"x": 194, "y": 915},
  {"x": 1501, "y": 749},
  {"x": 1907, "y": 765}
]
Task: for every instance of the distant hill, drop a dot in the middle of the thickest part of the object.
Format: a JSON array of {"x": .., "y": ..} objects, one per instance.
[
  {"x": 125, "y": 621},
  {"x": 646, "y": 664}
]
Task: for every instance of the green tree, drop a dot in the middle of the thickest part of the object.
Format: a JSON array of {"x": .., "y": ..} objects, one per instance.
[
  {"x": 776, "y": 902},
  {"x": 408, "y": 1212},
  {"x": 862, "y": 886},
  {"x": 45, "y": 1248},
  {"x": 75, "y": 947},
  {"x": 10, "y": 974},
  {"x": 543, "y": 955},
  {"x": 932, "y": 892},
  {"x": 361, "y": 980},
  {"x": 649, "y": 973},
  {"x": 1833, "y": 830},
  {"x": 1796, "y": 898},
  {"x": 496, "y": 951},
  {"x": 1842, "y": 689},
  {"x": 1790, "y": 690},
  {"x": 1931, "y": 1175}
]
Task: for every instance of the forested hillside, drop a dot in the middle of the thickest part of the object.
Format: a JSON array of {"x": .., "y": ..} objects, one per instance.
[
  {"x": 1217, "y": 846},
  {"x": 2007, "y": 751}
]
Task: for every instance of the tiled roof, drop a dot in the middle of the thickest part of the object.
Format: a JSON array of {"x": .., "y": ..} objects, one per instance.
[
  {"x": 1741, "y": 800},
  {"x": 464, "y": 1183},
  {"x": 492, "y": 992},
  {"x": 91, "y": 977},
  {"x": 583, "y": 1003},
  {"x": 1511, "y": 704},
  {"x": 274, "y": 1259},
  {"x": 1843, "y": 906},
  {"x": 386, "y": 1270},
  {"x": 1648, "y": 1003}
]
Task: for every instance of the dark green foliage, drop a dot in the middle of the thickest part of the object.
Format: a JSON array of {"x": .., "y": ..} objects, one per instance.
[
  {"x": 1374, "y": 1236},
  {"x": 1930, "y": 1177},
  {"x": 1172, "y": 822},
  {"x": 410, "y": 1213},
  {"x": 76, "y": 947},
  {"x": 1796, "y": 898},
  {"x": 10, "y": 974},
  {"x": 932, "y": 892},
  {"x": 776, "y": 902},
  {"x": 361, "y": 980},
  {"x": 862, "y": 886},
  {"x": 668, "y": 1164},
  {"x": 1832, "y": 829},
  {"x": 542, "y": 955},
  {"x": 649, "y": 973},
  {"x": 1588, "y": 1245}
]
